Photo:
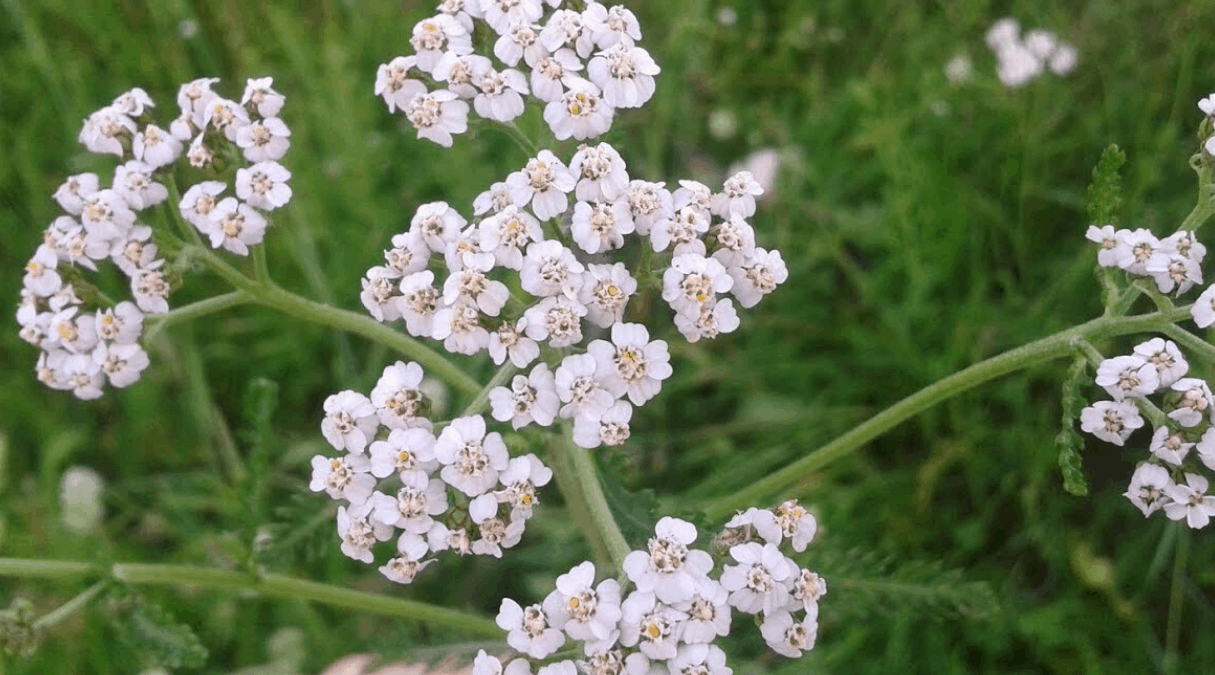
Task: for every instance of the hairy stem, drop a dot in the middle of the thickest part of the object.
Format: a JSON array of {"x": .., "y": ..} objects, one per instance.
[
  {"x": 579, "y": 483},
  {"x": 195, "y": 310},
  {"x": 1049, "y": 348}
]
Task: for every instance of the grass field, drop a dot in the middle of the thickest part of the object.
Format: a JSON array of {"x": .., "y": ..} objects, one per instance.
[{"x": 927, "y": 225}]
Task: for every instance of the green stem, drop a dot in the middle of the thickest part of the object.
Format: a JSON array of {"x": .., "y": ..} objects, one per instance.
[
  {"x": 1190, "y": 341},
  {"x": 325, "y": 315},
  {"x": 261, "y": 269},
  {"x": 271, "y": 585},
  {"x": 1172, "y": 636},
  {"x": 587, "y": 495},
  {"x": 499, "y": 379},
  {"x": 195, "y": 310},
  {"x": 69, "y": 608},
  {"x": 567, "y": 484},
  {"x": 1047, "y": 349},
  {"x": 1205, "y": 207},
  {"x": 519, "y": 137}
]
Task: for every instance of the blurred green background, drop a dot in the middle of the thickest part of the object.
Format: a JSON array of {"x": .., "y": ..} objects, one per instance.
[{"x": 926, "y": 226}]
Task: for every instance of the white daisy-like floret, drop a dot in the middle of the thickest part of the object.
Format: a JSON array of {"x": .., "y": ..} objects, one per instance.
[
  {"x": 550, "y": 72},
  {"x": 529, "y": 629},
  {"x": 543, "y": 184},
  {"x": 712, "y": 320},
  {"x": 443, "y": 538},
  {"x": 264, "y": 185},
  {"x": 1139, "y": 249},
  {"x": 1107, "y": 237},
  {"x": 150, "y": 288},
  {"x": 473, "y": 284},
  {"x": 1203, "y": 309},
  {"x": 403, "y": 568},
  {"x": 631, "y": 364},
  {"x": 419, "y": 303},
  {"x": 564, "y": 30},
  {"x": 199, "y": 155},
  {"x": 437, "y": 224},
  {"x": 708, "y": 612},
  {"x": 459, "y": 327},
  {"x": 404, "y": 451},
  {"x": 651, "y": 204},
  {"x": 1017, "y": 65},
  {"x": 762, "y": 272},
  {"x": 520, "y": 480},
  {"x": 1111, "y": 421},
  {"x": 122, "y": 364},
  {"x": 745, "y": 526},
  {"x": 699, "y": 658},
  {"x": 77, "y": 334},
  {"x": 133, "y": 102},
  {"x": 434, "y": 36},
  {"x": 379, "y": 293},
  {"x": 136, "y": 253},
  {"x": 71, "y": 194},
  {"x": 737, "y": 197},
  {"x": 1174, "y": 272},
  {"x": 1195, "y": 403},
  {"x": 264, "y": 140},
  {"x": 581, "y": 112},
  {"x": 496, "y": 534},
  {"x": 1164, "y": 355},
  {"x": 530, "y": 398},
  {"x": 392, "y": 82},
  {"x": 409, "y": 254},
  {"x": 1207, "y": 105},
  {"x": 83, "y": 376},
  {"x": 1185, "y": 243},
  {"x": 41, "y": 274},
  {"x": 1127, "y": 377},
  {"x": 460, "y": 72},
  {"x": 463, "y": 11},
  {"x": 609, "y": 27},
  {"x": 693, "y": 194},
  {"x": 580, "y": 389},
  {"x": 509, "y": 341},
  {"x": 155, "y": 147},
  {"x": 788, "y": 636},
  {"x": 1190, "y": 501},
  {"x": 808, "y": 588},
  {"x": 494, "y": 200},
  {"x": 133, "y": 182},
  {"x": 550, "y": 269},
  {"x": 198, "y": 202},
  {"x": 193, "y": 96},
  {"x": 1169, "y": 445},
  {"x": 501, "y": 14},
  {"x": 359, "y": 533},
  {"x": 345, "y": 477},
  {"x": 1148, "y": 488},
  {"x": 611, "y": 428},
  {"x": 520, "y": 41},
  {"x": 121, "y": 324},
  {"x": 655, "y": 627},
  {"x": 236, "y": 226},
  {"x": 226, "y": 116},
  {"x": 734, "y": 242},
  {"x": 1206, "y": 448},
  {"x": 508, "y": 233},
  {"x": 693, "y": 281},
  {"x": 471, "y": 458},
  {"x": 183, "y": 128},
  {"x": 397, "y": 396},
  {"x": 601, "y": 173},
  {"x": 797, "y": 524},
  {"x": 625, "y": 73},
  {"x": 669, "y": 568},
  {"x": 501, "y": 94},
  {"x": 682, "y": 232},
  {"x": 103, "y": 130},
  {"x": 585, "y": 611},
  {"x": 350, "y": 421},
  {"x": 437, "y": 115},
  {"x": 411, "y": 509},
  {"x": 605, "y": 291},
  {"x": 601, "y": 226},
  {"x": 261, "y": 97},
  {"x": 761, "y": 579},
  {"x": 106, "y": 215}
]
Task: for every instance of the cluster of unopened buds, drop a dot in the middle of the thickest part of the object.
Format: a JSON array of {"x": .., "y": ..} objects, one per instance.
[
  {"x": 84, "y": 348},
  {"x": 1021, "y": 60},
  {"x": 545, "y": 61},
  {"x": 460, "y": 491},
  {"x": 677, "y": 607}
]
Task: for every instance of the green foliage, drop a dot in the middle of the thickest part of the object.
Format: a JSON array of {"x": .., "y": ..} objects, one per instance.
[
  {"x": 1105, "y": 191},
  {"x": 150, "y": 633},
  {"x": 634, "y": 513},
  {"x": 1068, "y": 442}
]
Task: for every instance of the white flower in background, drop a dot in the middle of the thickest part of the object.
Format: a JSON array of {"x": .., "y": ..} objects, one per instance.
[
  {"x": 358, "y": 533},
  {"x": 122, "y": 364},
  {"x": 419, "y": 498},
  {"x": 550, "y": 269},
  {"x": 1164, "y": 355},
  {"x": 471, "y": 459},
  {"x": 585, "y": 611},
  {"x": 80, "y": 506},
  {"x": 760, "y": 581},
  {"x": 236, "y": 226},
  {"x": 1195, "y": 404},
  {"x": 350, "y": 421},
  {"x": 133, "y": 182},
  {"x": 788, "y": 636},
  {"x": 1127, "y": 377},
  {"x": 264, "y": 185},
  {"x": 580, "y": 389},
  {"x": 509, "y": 341},
  {"x": 1190, "y": 501},
  {"x": 1002, "y": 33},
  {"x": 1017, "y": 66},
  {"x": 261, "y": 97},
  {"x": 611, "y": 428},
  {"x": 1203, "y": 309},
  {"x": 198, "y": 202},
  {"x": 71, "y": 194},
  {"x": 409, "y": 450},
  {"x": 133, "y": 102},
  {"x": 605, "y": 291},
  {"x": 529, "y": 629},
  {"x": 434, "y": 36},
  {"x": 959, "y": 69},
  {"x": 581, "y": 112},
  {"x": 543, "y": 184},
  {"x": 1063, "y": 60},
  {"x": 392, "y": 82},
  {"x": 403, "y": 568},
  {"x": 1111, "y": 421},
  {"x": 668, "y": 568},
  {"x": 155, "y": 147},
  {"x": 1107, "y": 237},
  {"x": 397, "y": 397},
  {"x": 264, "y": 140},
  {"x": 531, "y": 398},
  {"x": 631, "y": 364},
  {"x": 345, "y": 477}
]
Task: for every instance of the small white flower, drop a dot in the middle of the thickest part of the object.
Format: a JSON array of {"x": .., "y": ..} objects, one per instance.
[
  {"x": 520, "y": 41},
  {"x": 472, "y": 284},
  {"x": 520, "y": 480},
  {"x": 651, "y": 204},
  {"x": 1139, "y": 249},
  {"x": 611, "y": 428},
  {"x": 419, "y": 498},
  {"x": 198, "y": 202},
  {"x": 437, "y": 224},
  {"x": 581, "y": 111},
  {"x": 683, "y": 231},
  {"x": 136, "y": 253},
  {"x": 122, "y": 324},
  {"x": 693, "y": 281},
  {"x": 1127, "y": 377},
  {"x": 1206, "y": 448},
  {"x": 734, "y": 241},
  {"x": 1207, "y": 105},
  {"x": 133, "y": 182},
  {"x": 437, "y": 115},
  {"x": 501, "y": 94},
  {"x": 392, "y": 82},
  {"x": 441, "y": 538},
  {"x": 83, "y": 376},
  {"x": 507, "y": 234},
  {"x": 71, "y": 194},
  {"x": 224, "y": 115},
  {"x": 1185, "y": 243},
  {"x": 1203, "y": 309},
  {"x": 122, "y": 364},
  {"x": 531, "y": 398},
  {"x": 1169, "y": 445},
  {"x": 543, "y": 183},
  {"x": 379, "y": 296},
  {"x": 605, "y": 291},
  {"x": 1111, "y": 421},
  {"x": 1017, "y": 65},
  {"x": 565, "y": 30},
  {"x": 708, "y": 613},
  {"x": 103, "y": 129},
  {"x": 712, "y": 320},
  {"x": 584, "y": 611},
  {"x": 601, "y": 226},
  {"x": 1195, "y": 403},
  {"x": 493, "y": 200},
  {"x": 359, "y": 533},
  {"x": 403, "y": 568},
  {"x": 199, "y": 154},
  {"x": 631, "y": 364},
  {"x": 106, "y": 215},
  {"x": 762, "y": 272},
  {"x": 759, "y": 582},
  {"x": 264, "y": 185},
  {"x": 669, "y": 568},
  {"x": 471, "y": 459},
  {"x": 41, "y": 277},
  {"x": 501, "y": 14},
  {"x": 1190, "y": 501},
  {"x": 264, "y": 140},
  {"x": 578, "y": 387},
  {"x": 74, "y": 333},
  {"x": 744, "y": 527},
  {"x": 404, "y": 451},
  {"x": 397, "y": 397},
  {"x": 694, "y": 194},
  {"x": 787, "y": 636},
  {"x": 133, "y": 102},
  {"x": 1063, "y": 60},
  {"x": 434, "y": 36},
  {"x": 459, "y": 327},
  {"x": 699, "y": 659},
  {"x": 460, "y": 72},
  {"x": 797, "y": 524},
  {"x": 408, "y": 254},
  {"x": 509, "y": 341},
  {"x": 260, "y": 96},
  {"x": 155, "y": 147},
  {"x": 654, "y": 626},
  {"x": 150, "y": 288},
  {"x": 609, "y": 27},
  {"x": 550, "y": 72},
  {"x": 625, "y": 73},
  {"x": 808, "y": 587},
  {"x": 1166, "y": 357},
  {"x": 345, "y": 477},
  {"x": 1148, "y": 488},
  {"x": 737, "y": 198},
  {"x": 601, "y": 173},
  {"x": 81, "y": 508},
  {"x": 419, "y": 303},
  {"x": 496, "y": 535},
  {"x": 350, "y": 421},
  {"x": 1175, "y": 271},
  {"x": 550, "y": 269},
  {"x": 236, "y": 226},
  {"x": 193, "y": 96},
  {"x": 529, "y": 629}
]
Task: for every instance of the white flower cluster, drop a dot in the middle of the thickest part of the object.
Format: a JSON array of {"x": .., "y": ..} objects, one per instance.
[
  {"x": 676, "y": 609},
  {"x": 581, "y": 65},
  {"x": 711, "y": 247},
  {"x": 83, "y": 350},
  {"x": 460, "y": 491},
  {"x": 1020, "y": 61}
]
